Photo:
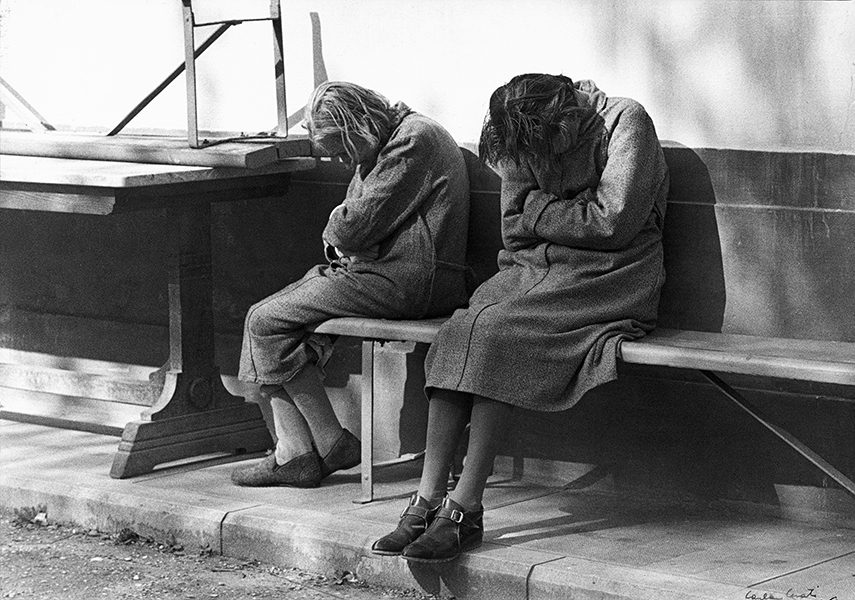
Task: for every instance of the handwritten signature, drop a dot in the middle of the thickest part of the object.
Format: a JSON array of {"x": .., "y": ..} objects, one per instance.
[{"x": 810, "y": 593}]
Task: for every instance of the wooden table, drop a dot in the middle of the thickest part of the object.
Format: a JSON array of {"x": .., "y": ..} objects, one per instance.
[{"x": 194, "y": 414}]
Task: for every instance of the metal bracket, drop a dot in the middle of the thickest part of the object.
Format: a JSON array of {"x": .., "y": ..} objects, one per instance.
[
  {"x": 23, "y": 109},
  {"x": 190, "y": 26},
  {"x": 819, "y": 462},
  {"x": 191, "y": 53}
]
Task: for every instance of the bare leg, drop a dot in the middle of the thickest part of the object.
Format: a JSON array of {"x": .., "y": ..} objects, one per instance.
[
  {"x": 309, "y": 395},
  {"x": 447, "y": 417},
  {"x": 293, "y": 437},
  {"x": 263, "y": 401},
  {"x": 458, "y": 523},
  {"x": 489, "y": 422}
]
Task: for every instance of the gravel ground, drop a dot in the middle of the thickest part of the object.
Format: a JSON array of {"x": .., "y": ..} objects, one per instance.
[{"x": 43, "y": 560}]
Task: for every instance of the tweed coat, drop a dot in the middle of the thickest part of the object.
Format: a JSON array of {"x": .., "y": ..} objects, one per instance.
[
  {"x": 408, "y": 211},
  {"x": 580, "y": 270}
]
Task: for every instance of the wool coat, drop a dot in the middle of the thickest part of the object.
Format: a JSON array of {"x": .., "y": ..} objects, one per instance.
[
  {"x": 580, "y": 270},
  {"x": 408, "y": 211}
]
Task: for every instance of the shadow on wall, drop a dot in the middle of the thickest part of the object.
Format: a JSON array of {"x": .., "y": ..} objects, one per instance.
[
  {"x": 485, "y": 218},
  {"x": 694, "y": 294}
]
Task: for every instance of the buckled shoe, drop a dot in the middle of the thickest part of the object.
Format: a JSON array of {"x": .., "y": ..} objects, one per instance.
[
  {"x": 452, "y": 532},
  {"x": 414, "y": 521}
]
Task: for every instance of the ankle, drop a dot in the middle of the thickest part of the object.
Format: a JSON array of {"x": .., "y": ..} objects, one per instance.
[
  {"x": 468, "y": 504},
  {"x": 433, "y": 499},
  {"x": 325, "y": 441},
  {"x": 284, "y": 455}
]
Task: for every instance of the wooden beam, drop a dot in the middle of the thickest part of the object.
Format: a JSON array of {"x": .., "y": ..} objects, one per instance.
[
  {"x": 75, "y": 383},
  {"x": 250, "y": 154},
  {"x": 84, "y": 204},
  {"x": 41, "y": 171}
]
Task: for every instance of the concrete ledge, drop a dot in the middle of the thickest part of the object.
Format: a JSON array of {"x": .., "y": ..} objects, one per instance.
[
  {"x": 320, "y": 542},
  {"x": 191, "y": 520},
  {"x": 300, "y": 538},
  {"x": 591, "y": 580},
  {"x": 543, "y": 543}
]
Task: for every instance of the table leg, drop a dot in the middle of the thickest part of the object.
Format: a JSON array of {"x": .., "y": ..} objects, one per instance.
[{"x": 194, "y": 414}]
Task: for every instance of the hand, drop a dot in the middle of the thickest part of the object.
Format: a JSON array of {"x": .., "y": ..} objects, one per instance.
[
  {"x": 330, "y": 251},
  {"x": 366, "y": 255}
]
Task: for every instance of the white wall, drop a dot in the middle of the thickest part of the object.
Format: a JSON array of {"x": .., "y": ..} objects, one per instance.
[{"x": 736, "y": 74}]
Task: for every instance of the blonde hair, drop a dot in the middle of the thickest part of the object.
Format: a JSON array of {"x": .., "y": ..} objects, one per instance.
[{"x": 339, "y": 107}]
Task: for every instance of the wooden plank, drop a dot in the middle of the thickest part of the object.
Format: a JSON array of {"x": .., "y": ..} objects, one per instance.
[
  {"x": 75, "y": 363},
  {"x": 383, "y": 329},
  {"x": 87, "y": 204},
  {"x": 807, "y": 360},
  {"x": 68, "y": 412},
  {"x": 109, "y": 174},
  {"x": 250, "y": 153},
  {"x": 75, "y": 383}
]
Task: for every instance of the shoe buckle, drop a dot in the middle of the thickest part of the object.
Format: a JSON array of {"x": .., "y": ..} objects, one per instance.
[{"x": 456, "y": 516}]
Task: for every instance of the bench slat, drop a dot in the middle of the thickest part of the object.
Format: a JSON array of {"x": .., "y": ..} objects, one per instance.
[
  {"x": 807, "y": 360},
  {"x": 423, "y": 330}
]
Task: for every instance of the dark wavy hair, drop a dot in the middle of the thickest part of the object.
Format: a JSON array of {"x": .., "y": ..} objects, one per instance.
[{"x": 524, "y": 117}]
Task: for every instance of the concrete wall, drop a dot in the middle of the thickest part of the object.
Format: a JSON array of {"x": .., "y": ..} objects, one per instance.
[{"x": 712, "y": 73}]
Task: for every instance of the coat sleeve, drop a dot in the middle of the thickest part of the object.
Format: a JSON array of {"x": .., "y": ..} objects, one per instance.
[
  {"x": 609, "y": 216},
  {"x": 391, "y": 192}
]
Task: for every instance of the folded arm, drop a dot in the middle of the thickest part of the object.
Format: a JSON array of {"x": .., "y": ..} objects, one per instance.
[
  {"x": 390, "y": 193},
  {"x": 609, "y": 216}
]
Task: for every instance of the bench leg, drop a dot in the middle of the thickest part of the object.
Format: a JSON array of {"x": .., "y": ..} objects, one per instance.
[
  {"x": 797, "y": 445},
  {"x": 367, "y": 428},
  {"x": 368, "y": 465}
]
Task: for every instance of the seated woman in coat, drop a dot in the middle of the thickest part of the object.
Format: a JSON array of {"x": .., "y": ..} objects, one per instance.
[
  {"x": 396, "y": 248},
  {"x": 584, "y": 184}
]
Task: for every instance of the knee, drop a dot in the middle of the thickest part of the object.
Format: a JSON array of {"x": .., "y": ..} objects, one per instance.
[{"x": 259, "y": 320}]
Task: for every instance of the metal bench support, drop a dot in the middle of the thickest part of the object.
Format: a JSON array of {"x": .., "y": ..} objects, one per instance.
[
  {"x": 791, "y": 440},
  {"x": 367, "y": 433},
  {"x": 367, "y": 427}
]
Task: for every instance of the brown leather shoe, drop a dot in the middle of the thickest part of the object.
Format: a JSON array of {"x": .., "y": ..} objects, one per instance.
[
  {"x": 414, "y": 522},
  {"x": 304, "y": 471},
  {"x": 345, "y": 453},
  {"x": 452, "y": 532}
]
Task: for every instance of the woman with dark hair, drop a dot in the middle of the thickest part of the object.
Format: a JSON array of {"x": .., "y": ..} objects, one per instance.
[
  {"x": 396, "y": 248},
  {"x": 584, "y": 185}
]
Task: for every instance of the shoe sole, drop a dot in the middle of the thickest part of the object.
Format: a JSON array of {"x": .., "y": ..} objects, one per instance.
[
  {"x": 291, "y": 485},
  {"x": 385, "y": 552},
  {"x": 443, "y": 560}
]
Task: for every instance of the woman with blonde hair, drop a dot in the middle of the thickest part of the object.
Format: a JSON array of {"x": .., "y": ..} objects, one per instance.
[{"x": 395, "y": 248}]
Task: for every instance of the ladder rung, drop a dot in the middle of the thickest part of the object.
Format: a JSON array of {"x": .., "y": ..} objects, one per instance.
[{"x": 232, "y": 21}]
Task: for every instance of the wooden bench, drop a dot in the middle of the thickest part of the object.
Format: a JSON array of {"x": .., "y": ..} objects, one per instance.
[
  {"x": 709, "y": 353},
  {"x": 715, "y": 195}
]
